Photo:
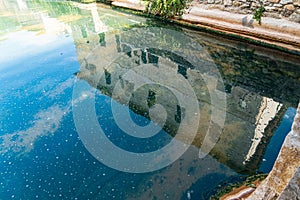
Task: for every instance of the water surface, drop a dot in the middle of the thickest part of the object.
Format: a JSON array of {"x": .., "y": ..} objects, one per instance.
[{"x": 48, "y": 47}]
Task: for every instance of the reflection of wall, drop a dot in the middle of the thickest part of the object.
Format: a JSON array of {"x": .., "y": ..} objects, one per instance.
[
  {"x": 260, "y": 70},
  {"x": 238, "y": 141}
]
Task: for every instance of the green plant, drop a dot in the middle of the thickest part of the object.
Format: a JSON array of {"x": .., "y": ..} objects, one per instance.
[
  {"x": 258, "y": 14},
  {"x": 166, "y": 8},
  {"x": 249, "y": 182}
]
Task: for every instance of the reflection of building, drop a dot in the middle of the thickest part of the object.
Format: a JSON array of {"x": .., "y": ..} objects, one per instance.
[
  {"x": 270, "y": 73},
  {"x": 248, "y": 116},
  {"x": 251, "y": 111}
]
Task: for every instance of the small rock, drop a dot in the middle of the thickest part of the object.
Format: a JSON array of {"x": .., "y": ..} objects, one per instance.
[
  {"x": 286, "y": 1},
  {"x": 274, "y": 1},
  {"x": 270, "y": 8},
  {"x": 236, "y": 4},
  {"x": 277, "y": 5},
  {"x": 295, "y": 17},
  {"x": 296, "y": 2},
  {"x": 228, "y": 2},
  {"x": 289, "y": 7}
]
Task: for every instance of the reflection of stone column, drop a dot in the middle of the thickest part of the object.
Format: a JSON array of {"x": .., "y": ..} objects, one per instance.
[
  {"x": 99, "y": 25},
  {"x": 22, "y": 5},
  {"x": 54, "y": 26},
  {"x": 268, "y": 110}
]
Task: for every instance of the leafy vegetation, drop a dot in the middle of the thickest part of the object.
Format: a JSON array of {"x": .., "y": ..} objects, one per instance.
[
  {"x": 167, "y": 8},
  {"x": 249, "y": 182},
  {"x": 258, "y": 13}
]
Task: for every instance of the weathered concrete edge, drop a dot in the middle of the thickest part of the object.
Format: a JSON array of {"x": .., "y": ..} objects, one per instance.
[
  {"x": 286, "y": 172},
  {"x": 286, "y": 39}
]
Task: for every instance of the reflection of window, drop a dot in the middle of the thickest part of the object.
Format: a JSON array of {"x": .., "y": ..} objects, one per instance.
[
  {"x": 151, "y": 100},
  {"x": 178, "y": 114},
  {"x": 152, "y": 58},
  {"x": 137, "y": 56},
  {"x": 102, "y": 39},
  {"x": 182, "y": 70},
  {"x": 118, "y": 43},
  {"x": 126, "y": 49},
  {"x": 83, "y": 32},
  {"x": 121, "y": 81},
  {"x": 149, "y": 58},
  {"x": 107, "y": 77},
  {"x": 144, "y": 57}
]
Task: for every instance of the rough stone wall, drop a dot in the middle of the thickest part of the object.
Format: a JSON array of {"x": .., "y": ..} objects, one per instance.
[
  {"x": 292, "y": 190},
  {"x": 289, "y": 9}
]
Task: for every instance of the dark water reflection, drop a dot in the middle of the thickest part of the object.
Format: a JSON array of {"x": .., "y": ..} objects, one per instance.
[{"x": 43, "y": 44}]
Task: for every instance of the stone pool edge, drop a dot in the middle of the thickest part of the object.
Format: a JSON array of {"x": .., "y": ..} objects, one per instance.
[{"x": 273, "y": 33}]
